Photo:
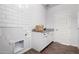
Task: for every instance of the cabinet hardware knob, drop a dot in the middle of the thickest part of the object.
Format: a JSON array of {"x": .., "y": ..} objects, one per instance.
[{"x": 25, "y": 34}]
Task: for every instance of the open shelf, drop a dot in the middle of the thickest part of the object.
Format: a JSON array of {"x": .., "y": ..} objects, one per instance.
[{"x": 18, "y": 46}]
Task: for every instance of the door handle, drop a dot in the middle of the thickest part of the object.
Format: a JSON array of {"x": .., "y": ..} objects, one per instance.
[{"x": 56, "y": 29}]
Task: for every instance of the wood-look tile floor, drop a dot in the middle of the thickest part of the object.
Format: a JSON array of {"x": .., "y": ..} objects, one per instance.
[
  {"x": 32, "y": 51},
  {"x": 56, "y": 48}
]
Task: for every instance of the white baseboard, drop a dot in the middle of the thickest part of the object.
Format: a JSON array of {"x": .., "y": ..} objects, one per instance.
[
  {"x": 71, "y": 44},
  {"x": 24, "y": 50}
]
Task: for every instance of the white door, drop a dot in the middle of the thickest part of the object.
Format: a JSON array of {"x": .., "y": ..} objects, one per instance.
[{"x": 66, "y": 28}]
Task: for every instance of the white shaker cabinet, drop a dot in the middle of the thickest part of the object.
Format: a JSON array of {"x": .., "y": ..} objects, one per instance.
[
  {"x": 14, "y": 40},
  {"x": 50, "y": 37},
  {"x": 27, "y": 42},
  {"x": 40, "y": 40}
]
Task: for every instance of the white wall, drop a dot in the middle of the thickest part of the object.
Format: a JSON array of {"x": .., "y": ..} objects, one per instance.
[
  {"x": 18, "y": 15},
  {"x": 63, "y": 18},
  {"x": 18, "y": 20}
]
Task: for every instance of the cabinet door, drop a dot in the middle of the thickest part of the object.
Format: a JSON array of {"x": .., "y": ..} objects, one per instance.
[
  {"x": 39, "y": 41},
  {"x": 50, "y": 37},
  {"x": 5, "y": 47},
  {"x": 27, "y": 42}
]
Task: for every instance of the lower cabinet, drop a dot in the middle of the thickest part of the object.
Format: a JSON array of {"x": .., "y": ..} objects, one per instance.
[
  {"x": 40, "y": 40},
  {"x": 14, "y": 40},
  {"x": 5, "y": 47}
]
